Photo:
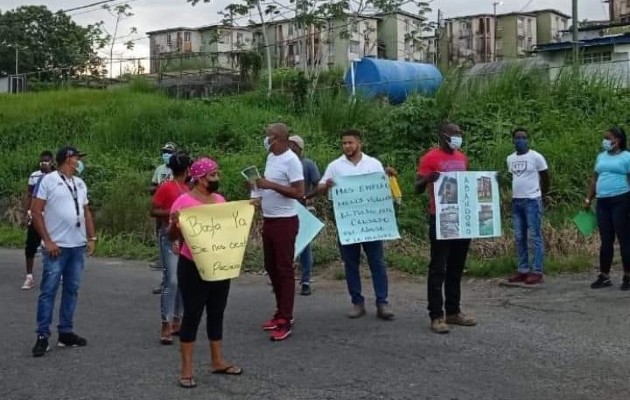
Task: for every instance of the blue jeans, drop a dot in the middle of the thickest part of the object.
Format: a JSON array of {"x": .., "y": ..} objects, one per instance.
[
  {"x": 527, "y": 223},
  {"x": 351, "y": 255},
  {"x": 171, "y": 304},
  {"x": 306, "y": 264},
  {"x": 69, "y": 265}
]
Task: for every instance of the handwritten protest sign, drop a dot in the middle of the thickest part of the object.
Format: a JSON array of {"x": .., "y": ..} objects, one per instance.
[
  {"x": 467, "y": 205},
  {"x": 364, "y": 210},
  {"x": 310, "y": 227},
  {"x": 217, "y": 235}
]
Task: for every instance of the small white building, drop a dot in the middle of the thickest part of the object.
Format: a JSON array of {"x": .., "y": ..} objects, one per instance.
[{"x": 603, "y": 57}]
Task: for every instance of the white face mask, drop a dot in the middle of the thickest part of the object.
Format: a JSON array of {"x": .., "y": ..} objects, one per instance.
[
  {"x": 455, "y": 142},
  {"x": 267, "y": 143}
]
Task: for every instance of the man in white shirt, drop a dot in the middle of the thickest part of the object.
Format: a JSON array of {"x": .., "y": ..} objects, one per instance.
[
  {"x": 63, "y": 220},
  {"x": 530, "y": 183},
  {"x": 355, "y": 162},
  {"x": 279, "y": 191},
  {"x": 33, "y": 241}
]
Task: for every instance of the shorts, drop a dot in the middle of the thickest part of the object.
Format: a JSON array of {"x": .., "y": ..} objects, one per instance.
[{"x": 33, "y": 241}]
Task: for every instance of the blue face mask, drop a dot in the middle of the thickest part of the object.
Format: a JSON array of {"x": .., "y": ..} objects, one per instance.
[
  {"x": 521, "y": 145},
  {"x": 267, "y": 143},
  {"x": 80, "y": 167},
  {"x": 607, "y": 145},
  {"x": 166, "y": 157}
]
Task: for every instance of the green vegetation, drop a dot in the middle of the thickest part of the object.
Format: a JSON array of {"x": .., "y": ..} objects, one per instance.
[{"x": 122, "y": 130}]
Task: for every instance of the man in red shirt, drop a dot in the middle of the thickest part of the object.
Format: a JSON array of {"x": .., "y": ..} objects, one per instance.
[
  {"x": 448, "y": 257},
  {"x": 171, "y": 304}
]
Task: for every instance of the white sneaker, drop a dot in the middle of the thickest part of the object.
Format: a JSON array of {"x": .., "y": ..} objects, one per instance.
[{"x": 29, "y": 283}]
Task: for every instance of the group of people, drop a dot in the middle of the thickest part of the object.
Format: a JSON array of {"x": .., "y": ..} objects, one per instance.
[{"x": 61, "y": 220}]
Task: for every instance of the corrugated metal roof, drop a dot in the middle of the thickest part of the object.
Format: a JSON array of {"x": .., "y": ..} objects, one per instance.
[{"x": 602, "y": 41}]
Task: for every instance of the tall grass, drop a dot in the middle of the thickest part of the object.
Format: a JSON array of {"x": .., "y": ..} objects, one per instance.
[{"x": 122, "y": 130}]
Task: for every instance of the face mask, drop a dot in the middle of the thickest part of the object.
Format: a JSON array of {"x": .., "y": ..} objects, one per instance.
[
  {"x": 80, "y": 167},
  {"x": 607, "y": 145},
  {"x": 166, "y": 157},
  {"x": 267, "y": 143},
  {"x": 212, "y": 186},
  {"x": 455, "y": 142},
  {"x": 521, "y": 145}
]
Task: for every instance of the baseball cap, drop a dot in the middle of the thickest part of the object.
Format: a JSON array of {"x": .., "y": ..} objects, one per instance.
[
  {"x": 66, "y": 152},
  {"x": 297, "y": 140},
  {"x": 170, "y": 146}
]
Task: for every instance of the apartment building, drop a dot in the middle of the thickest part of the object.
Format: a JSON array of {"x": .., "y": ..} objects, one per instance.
[
  {"x": 618, "y": 10},
  {"x": 401, "y": 37},
  {"x": 205, "y": 46},
  {"x": 332, "y": 44},
  {"x": 487, "y": 37}
]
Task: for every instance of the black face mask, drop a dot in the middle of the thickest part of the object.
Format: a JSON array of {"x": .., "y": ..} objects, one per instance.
[{"x": 212, "y": 186}]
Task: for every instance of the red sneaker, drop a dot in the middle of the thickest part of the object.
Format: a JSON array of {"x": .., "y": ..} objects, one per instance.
[
  {"x": 534, "y": 279},
  {"x": 282, "y": 332},
  {"x": 518, "y": 278},
  {"x": 273, "y": 324}
]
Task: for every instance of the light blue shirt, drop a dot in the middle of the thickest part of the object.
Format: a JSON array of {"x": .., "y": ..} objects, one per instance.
[{"x": 612, "y": 172}]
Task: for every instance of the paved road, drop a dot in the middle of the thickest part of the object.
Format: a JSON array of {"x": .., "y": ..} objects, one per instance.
[{"x": 561, "y": 342}]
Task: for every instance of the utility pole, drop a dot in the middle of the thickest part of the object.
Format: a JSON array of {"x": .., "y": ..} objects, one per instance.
[
  {"x": 438, "y": 37},
  {"x": 494, "y": 34},
  {"x": 576, "y": 42},
  {"x": 17, "y": 55}
]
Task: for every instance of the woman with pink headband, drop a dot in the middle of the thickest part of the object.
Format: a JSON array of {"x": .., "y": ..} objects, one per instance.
[{"x": 198, "y": 294}]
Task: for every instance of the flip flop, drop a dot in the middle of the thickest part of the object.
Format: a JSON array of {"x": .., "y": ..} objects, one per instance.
[
  {"x": 166, "y": 341},
  {"x": 187, "y": 383},
  {"x": 229, "y": 370}
]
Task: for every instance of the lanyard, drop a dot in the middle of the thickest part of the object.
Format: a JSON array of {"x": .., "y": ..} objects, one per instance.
[{"x": 75, "y": 196}]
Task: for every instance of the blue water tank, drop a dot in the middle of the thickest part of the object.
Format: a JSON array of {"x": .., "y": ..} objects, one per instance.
[{"x": 394, "y": 79}]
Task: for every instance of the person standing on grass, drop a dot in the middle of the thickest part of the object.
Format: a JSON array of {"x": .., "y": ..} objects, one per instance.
[
  {"x": 62, "y": 217},
  {"x": 279, "y": 191},
  {"x": 196, "y": 293},
  {"x": 161, "y": 174},
  {"x": 33, "y": 241},
  {"x": 530, "y": 184},
  {"x": 170, "y": 301},
  {"x": 448, "y": 257},
  {"x": 355, "y": 162},
  {"x": 311, "y": 180},
  {"x": 611, "y": 186}
]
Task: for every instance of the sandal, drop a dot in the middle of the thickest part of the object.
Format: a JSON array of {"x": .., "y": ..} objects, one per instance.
[
  {"x": 187, "y": 383},
  {"x": 166, "y": 340},
  {"x": 229, "y": 370}
]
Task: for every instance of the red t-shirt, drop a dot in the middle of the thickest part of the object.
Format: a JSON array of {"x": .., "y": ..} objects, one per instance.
[
  {"x": 438, "y": 160},
  {"x": 166, "y": 195}
]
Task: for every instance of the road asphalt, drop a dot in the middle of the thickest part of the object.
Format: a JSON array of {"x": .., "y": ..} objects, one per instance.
[{"x": 561, "y": 341}]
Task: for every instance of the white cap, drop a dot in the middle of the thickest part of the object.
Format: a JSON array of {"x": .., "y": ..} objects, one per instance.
[{"x": 297, "y": 140}]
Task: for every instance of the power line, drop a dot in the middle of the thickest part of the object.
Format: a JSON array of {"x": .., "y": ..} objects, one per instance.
[{"x": 98, "y": 3}]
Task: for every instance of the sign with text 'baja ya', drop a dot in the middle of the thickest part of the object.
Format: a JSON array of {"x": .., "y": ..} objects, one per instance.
[
  {"x": 310, "y": 227},
  {"x": 217, "y": 236},
  {"x": 467, "y": 205},
  {"x": 364, "y": 209}
]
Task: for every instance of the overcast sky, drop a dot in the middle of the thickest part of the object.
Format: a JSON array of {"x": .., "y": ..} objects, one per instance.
[{"x": 160, "y": 14}]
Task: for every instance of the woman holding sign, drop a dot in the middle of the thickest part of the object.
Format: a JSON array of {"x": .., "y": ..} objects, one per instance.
[{"x": 198, "y": 294}]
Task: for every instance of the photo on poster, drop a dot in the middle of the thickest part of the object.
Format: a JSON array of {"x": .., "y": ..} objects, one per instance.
[
  {"x": 486, "y": 220},
  {"x": 449, "y": 222},
  {"x": 448, "y": 191},
  {"x": 484, "y": 189}
]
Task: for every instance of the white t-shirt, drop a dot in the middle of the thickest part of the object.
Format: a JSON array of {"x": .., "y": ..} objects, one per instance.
[
  {"x": 34, "y": 177},
  {"x": 60, "y": 214},
  {"x": 161, "y": 174},
  {"x": 525, "y": 170},
  {"x": 344, "y": 167},
  {"x": 283, "y": 169}
]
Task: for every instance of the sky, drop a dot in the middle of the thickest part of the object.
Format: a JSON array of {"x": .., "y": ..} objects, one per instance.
[{"x": 160, "y": 14}]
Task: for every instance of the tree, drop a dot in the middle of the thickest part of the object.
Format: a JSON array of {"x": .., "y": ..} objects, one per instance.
[
  {"x": 34, "y": 39},
  {"x": 120, "y": 13}
]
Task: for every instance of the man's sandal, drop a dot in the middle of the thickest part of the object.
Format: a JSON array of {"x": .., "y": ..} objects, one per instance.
[
  {"x": 229, "y": 370},
  {"x": 187, "y": 383}
]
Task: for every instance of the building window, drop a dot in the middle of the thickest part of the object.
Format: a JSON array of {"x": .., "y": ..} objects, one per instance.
[
  {"x": 407, "y": 26},
  {"x": 355, "y": 27},
  {"x": 169, "y": 39},
  {"x": 290, "y": 29},
  {"x": 187, "y": 37},
  {"x": 596, "y": 58},
  {"x": 239, "y": 38},
  {"x": 354, "y": 47}
]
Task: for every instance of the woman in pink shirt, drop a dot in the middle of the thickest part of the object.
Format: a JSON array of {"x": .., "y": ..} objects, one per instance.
[{"x": 198, "y": 294}]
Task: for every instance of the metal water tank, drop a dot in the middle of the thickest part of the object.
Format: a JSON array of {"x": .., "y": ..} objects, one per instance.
[{"x": 394, "y": 79}]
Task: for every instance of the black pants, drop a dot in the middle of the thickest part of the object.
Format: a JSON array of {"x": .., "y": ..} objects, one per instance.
[
  {"x": 198, "y": 294},
  {"x": 33, "y": 241},
  {"x": 612, "y": 220},
  {"x": 446, "y": 267}
]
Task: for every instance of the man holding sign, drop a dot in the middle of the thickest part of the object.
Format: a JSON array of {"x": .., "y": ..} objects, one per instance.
[
  {"x": 448, "y": 257},
  {"x": 355, "y": 162},
  {"x": 280, "y": 190}
]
